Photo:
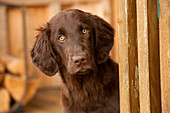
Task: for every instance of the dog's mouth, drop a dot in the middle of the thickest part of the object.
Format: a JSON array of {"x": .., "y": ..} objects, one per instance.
[
  {"x": 81, "y": 71},
  {"x": 84, "y": 72}
]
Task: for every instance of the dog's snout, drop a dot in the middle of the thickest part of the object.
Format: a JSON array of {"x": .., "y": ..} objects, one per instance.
[{"x": 78, "y": 60}]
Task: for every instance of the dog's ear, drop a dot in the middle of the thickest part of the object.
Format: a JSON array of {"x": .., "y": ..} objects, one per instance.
[
  {"x": 42, "y": 53},
  {"x": 104, "y": 39}
]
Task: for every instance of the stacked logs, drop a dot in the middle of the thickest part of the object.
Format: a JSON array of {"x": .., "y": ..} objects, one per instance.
[{"x": 13, "y": 81}]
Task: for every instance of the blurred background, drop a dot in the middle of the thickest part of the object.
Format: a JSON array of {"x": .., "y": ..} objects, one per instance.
[{"x": 22, "y": 86}]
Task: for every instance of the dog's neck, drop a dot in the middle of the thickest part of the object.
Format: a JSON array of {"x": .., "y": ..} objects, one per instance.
[{"x": 78, "y": 81}]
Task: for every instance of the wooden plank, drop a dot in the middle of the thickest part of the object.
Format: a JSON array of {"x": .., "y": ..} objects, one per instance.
[
  {"x": 101, "y": 8},
  {"x": 3, "y": 30},
  {"x": 154, "y": 70},
  {"x": 91, "y": 7},
  {"x": 123, "y": 56},
  {"x": 128, "y": 51},
  {"x": 133, "y": 57},
  {"x": 143, "y": 57},
  {"x": 15, "y": 32},
  {"x": 114, "y": 51},
  {"x": 164, "y": 34},
  {"x": 43, "y": 2},
  {"x": 53, "y": 9},
  {"x": 104, "y": 10}
]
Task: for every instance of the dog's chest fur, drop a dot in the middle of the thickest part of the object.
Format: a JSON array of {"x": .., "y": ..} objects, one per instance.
[{"x": 90, "y": 93}]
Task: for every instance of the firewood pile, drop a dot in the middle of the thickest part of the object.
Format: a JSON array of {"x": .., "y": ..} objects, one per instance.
[{"x": 13, "y": 81}]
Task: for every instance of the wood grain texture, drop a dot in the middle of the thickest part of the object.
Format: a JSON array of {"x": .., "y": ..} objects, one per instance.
[
  {"x": 123, "y": 57},
  {"x": 154, "y": 64},
  {"x": 43, "y": 2},
  {"x": 164, "y": 42},
  {"x": 143, "y": 56},
  {"x": 114, "y": 51},
  {"x": 133, "y": 57},
  {"x": 128, "y": 57},
  {"x": 3, "y": 30},
  {"x": 53, "y": 9},
  {"x": 15, "y": 33},
  {"x": 101, "y": 8}
]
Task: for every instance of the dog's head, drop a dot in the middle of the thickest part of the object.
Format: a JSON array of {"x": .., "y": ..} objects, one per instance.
[{"x": 74, "y": 39}]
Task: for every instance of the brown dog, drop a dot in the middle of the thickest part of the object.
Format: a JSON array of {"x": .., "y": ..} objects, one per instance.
[{"x": 77, "y": 44}]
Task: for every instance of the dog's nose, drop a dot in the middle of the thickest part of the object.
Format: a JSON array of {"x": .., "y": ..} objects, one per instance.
[{"x": 78, "y": 60}]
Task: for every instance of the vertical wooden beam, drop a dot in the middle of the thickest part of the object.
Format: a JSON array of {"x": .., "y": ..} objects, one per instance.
[
  {"x": 154, "y": 64},
  {"x": 164, "y": 34},
  {"x": 3, "y": 30},
  {"x": 128, "y": 57},
  {"x": 15, "y": 32},
  {"x": 123, "y": 56},
  {"x": 114, "y": 51},
  {"x": 54, "y": 8},
  {"x": 143, "y": 56},
  {"x": 104, "y": 10},
  {"x": 133, "y": 57}
]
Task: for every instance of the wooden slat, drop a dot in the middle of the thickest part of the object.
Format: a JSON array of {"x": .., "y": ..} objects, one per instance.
[
  {"x": 154, "y": 70},
  {"x": 15, "y": 33},
  {"x": 114, "y": 51},
  {"x": 133, "y": 57},
  {"x": 53, "y": 9},
  {"x": 3, "y": 30},
  {"x": 164, "y": 34},
  {"x": 104, "y": 10},
  {"x": 43, "y": 2},
  {"x": 101, "y": 8},
  {"x": 128, "y": 57},
  {"x": 143, "y": 57},
  {"x": 123, "y": 56}
]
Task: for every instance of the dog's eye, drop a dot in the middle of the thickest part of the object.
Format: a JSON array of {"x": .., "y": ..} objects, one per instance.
[
  {"x": 84, "y": 31},
  {"x": 61, "y": 38}
]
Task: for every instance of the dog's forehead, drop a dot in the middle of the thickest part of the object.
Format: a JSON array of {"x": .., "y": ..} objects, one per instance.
[{"x": 73, "y": 16}]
